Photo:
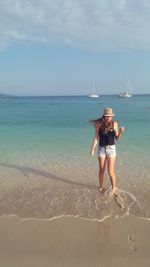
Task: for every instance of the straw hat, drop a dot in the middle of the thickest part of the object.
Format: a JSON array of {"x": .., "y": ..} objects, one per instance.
[{"x": 108, "y": 112}]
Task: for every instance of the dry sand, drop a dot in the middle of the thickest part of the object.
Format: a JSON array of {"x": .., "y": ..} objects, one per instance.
[{"x": 69, "y": 242}]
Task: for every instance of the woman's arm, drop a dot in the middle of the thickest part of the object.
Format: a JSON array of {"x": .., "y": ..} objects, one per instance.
[
  {"x": 95, "y": 141},
  {"x": 118, "y": 131}
]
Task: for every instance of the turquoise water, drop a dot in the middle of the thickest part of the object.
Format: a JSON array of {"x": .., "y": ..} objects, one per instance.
[
  {"x": 44, "y": 136},
  {"x": 58, "y": 126}
]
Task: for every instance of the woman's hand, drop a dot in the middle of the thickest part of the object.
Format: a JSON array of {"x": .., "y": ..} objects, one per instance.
[
  {"x": 92, "y": 152},
  {"x": 121, "y": 130},
  {"x": 118, "y": 131}
]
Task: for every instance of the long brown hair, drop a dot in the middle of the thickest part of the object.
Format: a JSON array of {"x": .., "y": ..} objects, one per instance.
[{"x": 102, "y": 124}]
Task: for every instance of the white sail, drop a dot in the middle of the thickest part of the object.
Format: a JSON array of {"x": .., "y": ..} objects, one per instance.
[
  {"x": 127, "y": 93},
  {"x": 94, "y": 93}
]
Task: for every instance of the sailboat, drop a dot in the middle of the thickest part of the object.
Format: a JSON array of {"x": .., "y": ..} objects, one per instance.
[
  {"x": 93, "y": 93},
  {"x": 127, "y": 93}
]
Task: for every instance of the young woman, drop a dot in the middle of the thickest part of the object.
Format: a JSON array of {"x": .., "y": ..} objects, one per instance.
[{"x": 106, "y": 131}]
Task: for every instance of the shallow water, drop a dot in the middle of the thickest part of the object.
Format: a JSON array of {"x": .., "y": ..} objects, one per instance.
[{"x": 46, "y": 169}]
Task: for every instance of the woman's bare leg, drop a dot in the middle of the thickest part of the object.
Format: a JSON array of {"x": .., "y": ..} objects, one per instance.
[
  {"x": 110, "y": 167},
  {"x": 102, "y": 164}
]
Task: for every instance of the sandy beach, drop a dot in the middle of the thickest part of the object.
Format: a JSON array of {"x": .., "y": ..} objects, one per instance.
[
  {"x": 69, "y": 241},
  {"x": 47, "y": 172}
]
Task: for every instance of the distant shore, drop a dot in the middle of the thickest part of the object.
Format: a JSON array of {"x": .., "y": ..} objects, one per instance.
[{"x": 70, "y": 241}]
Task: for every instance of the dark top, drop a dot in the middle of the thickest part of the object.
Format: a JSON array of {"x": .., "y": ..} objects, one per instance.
[{"x": 107, "y": 139}]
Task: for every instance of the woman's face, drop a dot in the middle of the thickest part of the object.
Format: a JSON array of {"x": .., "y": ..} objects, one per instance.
[{"x": 107, "y": 119}]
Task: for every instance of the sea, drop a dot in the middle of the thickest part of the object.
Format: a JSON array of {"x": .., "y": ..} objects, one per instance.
[{"x": 46, "y": 170}]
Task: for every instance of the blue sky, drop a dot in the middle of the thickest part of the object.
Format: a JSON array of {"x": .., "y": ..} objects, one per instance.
[{"x": 57, "y": 47}]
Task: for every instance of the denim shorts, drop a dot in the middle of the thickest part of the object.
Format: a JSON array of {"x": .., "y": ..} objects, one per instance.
[{"x": 106, "y": 151}]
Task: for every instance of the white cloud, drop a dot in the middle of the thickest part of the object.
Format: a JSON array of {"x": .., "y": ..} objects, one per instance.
[{"x": 102, "y": 25}]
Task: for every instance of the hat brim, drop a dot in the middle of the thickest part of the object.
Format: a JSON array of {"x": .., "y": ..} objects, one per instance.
[{"x": 107, "y": 115}]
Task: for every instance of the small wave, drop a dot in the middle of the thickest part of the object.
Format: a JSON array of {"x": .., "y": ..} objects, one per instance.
[
  {"x": 126, "y": 200},
  {"x": 78, "y": 201}
]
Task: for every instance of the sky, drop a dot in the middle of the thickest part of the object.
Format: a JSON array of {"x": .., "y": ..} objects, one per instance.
[{"x": 58, "y": 47}]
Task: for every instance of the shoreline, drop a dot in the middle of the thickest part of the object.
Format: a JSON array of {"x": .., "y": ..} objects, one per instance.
[
  {"x": 76, "y": 217},
  {"x": 71, "y": 241}
]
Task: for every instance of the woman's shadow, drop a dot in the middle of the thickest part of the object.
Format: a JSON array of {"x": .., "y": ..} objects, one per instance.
[{"x": 28, "y": 170}]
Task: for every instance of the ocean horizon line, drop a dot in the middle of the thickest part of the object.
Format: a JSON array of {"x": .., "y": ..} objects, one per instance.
[{"x": 44, "y": 96}]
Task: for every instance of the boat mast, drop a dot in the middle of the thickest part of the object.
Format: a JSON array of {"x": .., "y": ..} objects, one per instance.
[{"x": 94, "y": 87}]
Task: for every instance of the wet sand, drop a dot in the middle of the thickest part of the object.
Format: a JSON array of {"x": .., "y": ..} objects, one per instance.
[{"x": 69, "y": 241}]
